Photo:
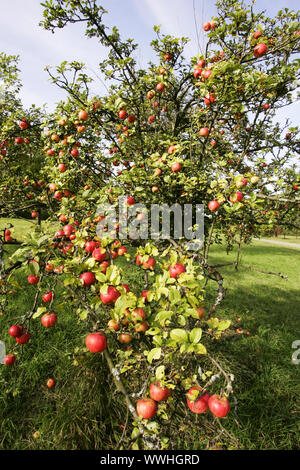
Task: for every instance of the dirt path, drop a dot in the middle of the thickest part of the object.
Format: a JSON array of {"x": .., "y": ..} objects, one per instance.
[{"x": 276, "y": 242}]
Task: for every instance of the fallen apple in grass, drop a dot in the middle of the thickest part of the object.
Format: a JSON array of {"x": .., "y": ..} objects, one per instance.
[{"x": 50, "y": 383}]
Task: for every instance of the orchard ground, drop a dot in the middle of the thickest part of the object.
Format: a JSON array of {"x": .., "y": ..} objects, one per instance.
[{"x": 83, "y": 412}]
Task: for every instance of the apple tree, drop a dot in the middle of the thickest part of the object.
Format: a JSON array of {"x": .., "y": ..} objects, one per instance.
[{"x": 176, "y": 132}]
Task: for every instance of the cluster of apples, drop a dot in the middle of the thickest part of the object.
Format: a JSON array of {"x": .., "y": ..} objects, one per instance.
[
  {"x": 146, "y": 408},
  {"x": 3, "y": 146},
  {"x": 7, "y": 236},
  {"x": 22, "y": 336},
  {"x": 219, "y": 405}
]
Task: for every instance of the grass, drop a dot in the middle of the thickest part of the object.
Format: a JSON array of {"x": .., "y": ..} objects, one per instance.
[
  {"x": 286, "y": 238},
  {"x": 84, "y": 411},
  {"x": 267, "y": 382},
  {"x": 21, "y": 227}
]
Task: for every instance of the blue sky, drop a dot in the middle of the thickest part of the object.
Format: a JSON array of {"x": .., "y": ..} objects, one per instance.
[{"x": 20, "y": 34}]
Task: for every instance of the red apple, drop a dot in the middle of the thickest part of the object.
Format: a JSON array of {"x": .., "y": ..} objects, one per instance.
[
  {"x": 33, "y": 279},
  {"x": 144, "y": 294},
  {"x": 9, "y": 359},
  {"x": 150, "y": 95},
  {"x": 48, "y": 320},
  {"x": 111, "y": 295},
  {"x": 122, "y": 114},
  {"x": 150, "y": 263},
  {"x": 74, "y": 152},
  {"x": 206, "y": 74},
  {"x": 122, "y": 250},
  {"x": 23, "y": 125},
  {"x": 48, "y": 297},
  {"x": 96, "y": 342},
  {"x": 83, "y": 115},
  {"x": 131, "y": 118},
  {"x": 176, "y": 270},
  {"x": 15, "y": 331},
  {"x": 219, "y": 405},
  {"x": 104, "y": 265},
  {"x": 130, "y": 200},
  {"x": 88, "y": 278},
  {"x": 160, "y": 87},
  {"x": 203, "y": 132},
  {"x": 159, "y": 393},
  {"x": 238, "y": 196},
  {"x": 62, "y": 168},
  {"x": 167, "y": 57},
  {"x": 197, "y": 404},
  {"x": 146, "y": 408},
  {"x": 213, "y": 206},
  {"x": 257, "y": 34},
  {"x": 68, "y": 229},
  {"x": 99, "y": 254},
  {"x": 207, "y": 26},
  {"x": 260, "y": 50},
  {"x": 24, "y": 338},
  {"x": 90, "y": 246},
  {"x": 138, "y": 315},
  {"x": 50, "y": 383},
  {"x": 176, "y": 167}
]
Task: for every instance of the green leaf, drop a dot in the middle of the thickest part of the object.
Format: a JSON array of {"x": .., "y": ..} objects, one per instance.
[
  {"x": 200, "y": 348},
  {"x": 39, "y": 312},
  {"x": 154, "y": 354},
  {"x": 195, "y": 335},
  {"x": 34, "y": 268},
  {"x": 100, "y": 277},
  {"x": 113, "y": 275},
  {"x": 163, "y": 315},
  {"x": 125, "y": 301},
  {"x": 160, "y": 372},
  {"x": 224, "y": 324},
  {"x": 153, "y": 331},
  {"x": 83, "y": 315},
  {"x": 192, "y": 312},
  {"x": 179, "y": 335},
  {"x": 174, "y": 296},
  {"x": 90, "y": 263}
]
